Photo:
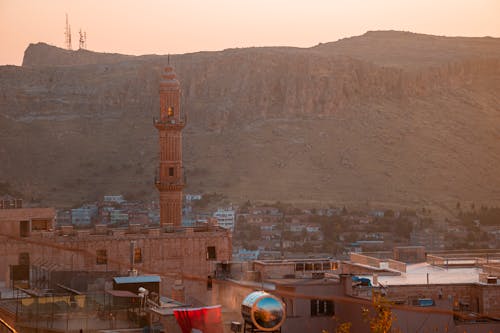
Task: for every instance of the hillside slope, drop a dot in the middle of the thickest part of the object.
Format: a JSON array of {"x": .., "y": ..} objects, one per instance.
[{"x": 358, "y": 120}]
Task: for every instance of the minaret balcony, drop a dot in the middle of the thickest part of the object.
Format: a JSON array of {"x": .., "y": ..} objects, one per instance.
[
  {"x": 168, "y": 186},
  {"x": 169, "y": 123}
]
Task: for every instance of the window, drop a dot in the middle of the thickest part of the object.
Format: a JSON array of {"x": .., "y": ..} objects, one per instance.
[
  {"x": 101, "y": 257},
  {"x": 24, "y": 258},
  {"x": 38, "y": 225},
  {"x": 211, "y": 254},
  {"x": 209, "y": 282},
  {"x": 322, "y": 308},
  {"x": 171, "y": 172},
  {"x": 138, "y": 255},
  {"x": 24, "y": 229},
  {"x": 299, "y": 267}
]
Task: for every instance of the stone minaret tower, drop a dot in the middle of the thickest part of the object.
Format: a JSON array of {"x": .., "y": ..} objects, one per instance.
[{"x": 169, "y": 179}]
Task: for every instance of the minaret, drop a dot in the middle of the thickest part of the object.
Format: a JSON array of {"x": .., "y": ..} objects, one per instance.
[{"x": 169, "y": 178}]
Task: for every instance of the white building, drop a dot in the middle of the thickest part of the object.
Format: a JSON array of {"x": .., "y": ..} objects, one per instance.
[
  {"x": 225, "y": 217},
  {"x": 193, "y": 197},
  {"x": 116, "y": 216},
  {"x": 114, "y": 198}
]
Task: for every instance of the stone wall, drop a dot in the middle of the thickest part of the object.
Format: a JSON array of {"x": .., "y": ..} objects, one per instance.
[
  {"x": 179, "y": 255},
  {"x": 377, "y": 263},
  {"x": 365, "y": 260},
  {"x": 481, "y": 298}
]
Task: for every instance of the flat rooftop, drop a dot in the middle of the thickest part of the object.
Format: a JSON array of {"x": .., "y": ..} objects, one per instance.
[{"x": 417, "y": 274}]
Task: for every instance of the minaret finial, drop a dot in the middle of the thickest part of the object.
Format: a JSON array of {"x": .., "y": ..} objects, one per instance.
[{"x": 168, "y": 59}]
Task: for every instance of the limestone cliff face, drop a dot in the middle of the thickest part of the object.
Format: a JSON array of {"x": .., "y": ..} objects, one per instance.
[
  {"x": 41, "y": 54},
  {"x": 387, "y": 116}
]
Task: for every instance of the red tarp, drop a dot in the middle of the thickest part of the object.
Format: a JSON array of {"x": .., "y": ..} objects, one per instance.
[{"x": 207, "y": 319}]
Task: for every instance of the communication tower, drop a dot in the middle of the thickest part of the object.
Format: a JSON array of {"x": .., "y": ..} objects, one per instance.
[
  {"x": 67, "y": 35},
  {"x": 82, "y": 42}
]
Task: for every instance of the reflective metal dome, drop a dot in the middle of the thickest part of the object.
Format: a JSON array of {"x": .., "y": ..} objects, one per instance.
[{"x": 263, "y": 310}]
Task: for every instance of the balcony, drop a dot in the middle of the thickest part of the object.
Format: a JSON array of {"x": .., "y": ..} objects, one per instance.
[{"x": 169, "y": 123}]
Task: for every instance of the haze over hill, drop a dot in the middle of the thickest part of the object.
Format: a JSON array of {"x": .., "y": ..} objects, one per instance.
[{"x": 391, "y": 117}]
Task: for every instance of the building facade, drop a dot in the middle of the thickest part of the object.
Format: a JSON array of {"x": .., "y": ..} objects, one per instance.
[
  {"x": 225, "y": 217},
  {"x": 83, "y": 216},
  {"x": 9, "y": 202}
]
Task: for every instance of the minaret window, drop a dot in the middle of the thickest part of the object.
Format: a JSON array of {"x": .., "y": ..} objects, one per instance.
[
  {"x": 170, "y": 111},
  {"x": 171, "y": 172}
]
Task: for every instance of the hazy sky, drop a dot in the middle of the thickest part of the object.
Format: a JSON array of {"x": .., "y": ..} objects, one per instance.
[{"x": 166, "y": 26}]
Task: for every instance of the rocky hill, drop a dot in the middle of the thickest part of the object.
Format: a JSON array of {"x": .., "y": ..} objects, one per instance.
[{"x": 388, "y": 117}]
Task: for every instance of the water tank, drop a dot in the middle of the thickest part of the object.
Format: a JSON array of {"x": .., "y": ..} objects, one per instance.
[{"x": 263, "y": 310}]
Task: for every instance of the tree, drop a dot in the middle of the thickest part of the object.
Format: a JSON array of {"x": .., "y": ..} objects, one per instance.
[
  {"x": 382, "y": 317},
  {"x": 344, "y": 328}
]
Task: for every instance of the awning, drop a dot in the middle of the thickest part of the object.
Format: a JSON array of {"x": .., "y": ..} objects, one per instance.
[
  {"x": 137, "y": 279},
  {"x": 122, "y": 293}
]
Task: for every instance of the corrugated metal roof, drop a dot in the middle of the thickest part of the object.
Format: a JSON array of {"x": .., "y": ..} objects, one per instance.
[
  {"x": 122, "y": 293},
  {"x": 136, "y": 279}
]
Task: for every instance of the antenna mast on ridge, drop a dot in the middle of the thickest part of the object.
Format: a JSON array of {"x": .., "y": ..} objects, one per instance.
[
  {"x": 83, "y": 40},
  {"x": 67, "y": 35}
]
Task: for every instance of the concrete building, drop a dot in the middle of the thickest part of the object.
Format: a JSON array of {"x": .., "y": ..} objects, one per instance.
[
  {"x": 117, "y": 217},
  {"x": 427, "y": 238},
  {"x": 114, "y": 199},
  {"x": 225, "y": 217},
  {"x": 63, "y": 217},
  {"x": 8, "y": 202},
  {"x": 446, "y": 292},
  {"x": 305, "y": 287},
  {"x": 193, "y": 197},
  {"x": 84, "y": 216}
]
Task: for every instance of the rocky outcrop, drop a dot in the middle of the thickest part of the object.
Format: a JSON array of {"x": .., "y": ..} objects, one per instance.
[
  {"x": 42, "y": 54},
  {"x": 337, "y": 122}
]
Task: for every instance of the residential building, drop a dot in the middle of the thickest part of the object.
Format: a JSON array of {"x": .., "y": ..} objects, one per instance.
[
  {"x": 84, "y": 216},
  {"x": 225, "y": 217},
  {"x": 117, "y": 217},
  {"x": 118, "y": 199},
  {"x": 8, "y": 202}
]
